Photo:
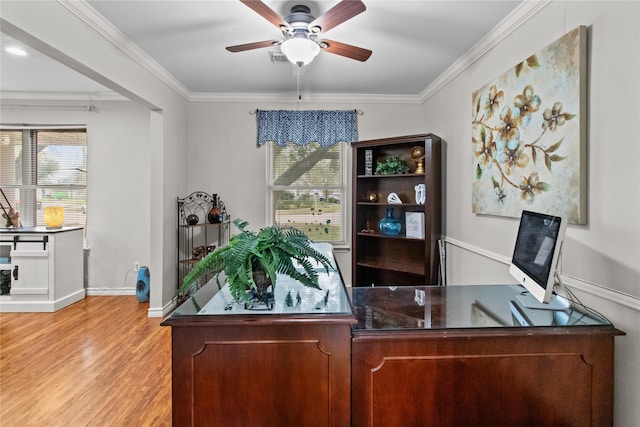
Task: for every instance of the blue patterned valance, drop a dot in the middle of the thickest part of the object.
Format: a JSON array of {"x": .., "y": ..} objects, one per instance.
[{"x": 303, "y": 127}]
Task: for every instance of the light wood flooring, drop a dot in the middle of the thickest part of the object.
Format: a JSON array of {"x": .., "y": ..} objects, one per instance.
[{"x": 98, "y": 362}]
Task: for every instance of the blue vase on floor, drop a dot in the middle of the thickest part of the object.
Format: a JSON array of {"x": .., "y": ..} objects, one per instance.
[{"x": 389, "y": 225}]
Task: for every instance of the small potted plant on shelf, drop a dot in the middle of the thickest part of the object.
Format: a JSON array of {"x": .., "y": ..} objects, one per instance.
[
  {"x": 392, "y": 165},
  {"x": 251, "y": 261}
]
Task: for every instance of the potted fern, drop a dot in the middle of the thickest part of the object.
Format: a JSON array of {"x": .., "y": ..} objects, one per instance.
[{"x": 251, "y": 261}]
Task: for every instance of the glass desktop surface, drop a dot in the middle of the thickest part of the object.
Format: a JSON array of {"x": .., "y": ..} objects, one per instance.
[
  {"x": 457, "y": 307},
  {"x": 331, "y": 298}
]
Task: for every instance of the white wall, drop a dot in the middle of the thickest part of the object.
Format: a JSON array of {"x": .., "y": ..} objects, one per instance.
[
  {"x": 601, "y": 259},
  {"x": 117, "y": 185},
  {"x": 224, "y": 157}
]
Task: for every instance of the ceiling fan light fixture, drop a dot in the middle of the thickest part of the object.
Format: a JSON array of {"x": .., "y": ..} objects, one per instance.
[{"x": 300, "y": 51}]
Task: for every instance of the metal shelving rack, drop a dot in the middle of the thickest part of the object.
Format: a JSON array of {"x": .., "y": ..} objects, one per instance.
[{"x": 203, "y": 226}]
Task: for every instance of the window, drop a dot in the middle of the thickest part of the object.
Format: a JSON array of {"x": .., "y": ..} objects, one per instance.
[
  {"x": 307, "y": 189},
  {"x": 44, "y": 167}
]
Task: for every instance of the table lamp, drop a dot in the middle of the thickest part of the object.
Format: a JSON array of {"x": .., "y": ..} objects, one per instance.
[{"x": 53, "y": 216}]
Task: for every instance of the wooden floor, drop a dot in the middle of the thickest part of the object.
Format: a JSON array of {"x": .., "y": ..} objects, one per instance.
[{"x": 98, "y": 362}]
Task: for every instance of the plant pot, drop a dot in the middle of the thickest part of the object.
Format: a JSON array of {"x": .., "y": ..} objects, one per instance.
[
  {"x": 262, "y": 281},
  {"x": 262, "y": 297}
]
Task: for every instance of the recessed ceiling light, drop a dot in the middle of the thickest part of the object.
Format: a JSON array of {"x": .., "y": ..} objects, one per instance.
[{"x": 14, "y": 50}]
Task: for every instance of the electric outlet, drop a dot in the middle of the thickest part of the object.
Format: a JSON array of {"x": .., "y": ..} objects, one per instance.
[{"x": 136, "y": 266}]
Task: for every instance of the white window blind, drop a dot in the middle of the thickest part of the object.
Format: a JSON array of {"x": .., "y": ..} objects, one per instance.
[{"x": 307, "y": 189}]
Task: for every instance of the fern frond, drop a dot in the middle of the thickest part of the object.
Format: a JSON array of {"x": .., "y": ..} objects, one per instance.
[
  {"x": 273, "y": 249},
  {"x": 212, "y": 263}
]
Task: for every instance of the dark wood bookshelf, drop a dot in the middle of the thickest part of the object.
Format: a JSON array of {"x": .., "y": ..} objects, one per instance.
[{"x": 378, "y": 259}]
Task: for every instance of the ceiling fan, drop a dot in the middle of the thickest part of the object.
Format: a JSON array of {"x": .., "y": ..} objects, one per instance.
[{"x": 303, "y": 33}]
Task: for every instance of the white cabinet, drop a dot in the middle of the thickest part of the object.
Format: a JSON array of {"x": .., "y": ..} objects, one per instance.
[
  {"x": 46, "y": 268},
  {"x": 30, "y": 273}
]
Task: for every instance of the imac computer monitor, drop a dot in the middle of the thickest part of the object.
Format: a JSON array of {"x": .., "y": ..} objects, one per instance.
[{"x": 535, "y": 257}]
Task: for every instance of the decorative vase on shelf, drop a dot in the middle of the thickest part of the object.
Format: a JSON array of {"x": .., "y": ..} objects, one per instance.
[
  {"x": 214, "y": 216},
  {"x": 389, "y": 225}
]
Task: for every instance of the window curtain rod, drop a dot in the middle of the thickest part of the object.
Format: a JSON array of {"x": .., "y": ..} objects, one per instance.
[
  {"x": 254, "y": 112},
  {"x": 90, "y": 108}
]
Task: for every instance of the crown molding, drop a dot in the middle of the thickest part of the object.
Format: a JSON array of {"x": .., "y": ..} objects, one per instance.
[
  {"x": 106, "y": 29},
  {"x": 311, "y": 98},
  {"x": 508, "y": 25}
]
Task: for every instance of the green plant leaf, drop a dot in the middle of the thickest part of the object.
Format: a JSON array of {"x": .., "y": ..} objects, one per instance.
[{"x": 393, "y": 165}]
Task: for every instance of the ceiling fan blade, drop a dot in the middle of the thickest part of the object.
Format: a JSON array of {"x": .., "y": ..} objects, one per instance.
[
  {"x": 347, "y": 50},
  {"x": 266, "y": 12},
  {"x": 335, "y": 16},
  {"x": 254, "y": 45}
]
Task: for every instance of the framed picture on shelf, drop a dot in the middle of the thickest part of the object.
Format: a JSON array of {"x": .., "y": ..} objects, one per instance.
[{"x": 415, "y": 224}]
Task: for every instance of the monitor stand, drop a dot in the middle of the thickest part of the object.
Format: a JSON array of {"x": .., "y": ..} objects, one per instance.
[{"x": 556, "y": 302}]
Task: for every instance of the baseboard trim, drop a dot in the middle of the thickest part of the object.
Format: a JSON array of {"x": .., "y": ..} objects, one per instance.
[
  {"x": 162, "y": 312},
  {"x": 110, "y": 291},
  {"x": 600, "y": 291},
  {"x": 9, "y": 305},
  {"x": 122, "y": 291}
]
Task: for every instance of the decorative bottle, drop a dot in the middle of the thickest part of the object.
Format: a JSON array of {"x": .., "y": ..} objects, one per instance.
[
  {"x": 389, "y": 225},
  {"x": 214, "y": 213}
]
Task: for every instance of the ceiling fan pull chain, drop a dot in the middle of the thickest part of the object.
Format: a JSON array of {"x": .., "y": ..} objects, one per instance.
[{"x": 298, "y": 78}]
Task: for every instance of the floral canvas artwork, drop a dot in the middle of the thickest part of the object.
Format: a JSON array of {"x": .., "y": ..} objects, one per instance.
[{"x": 529, "y": 135}]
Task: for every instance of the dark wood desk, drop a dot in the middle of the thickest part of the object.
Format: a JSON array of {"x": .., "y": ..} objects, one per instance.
[
  {"x": 390, "y": 356},
  {"x": 473, "y": 356},
  {"x": 287, "y": 367}
]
